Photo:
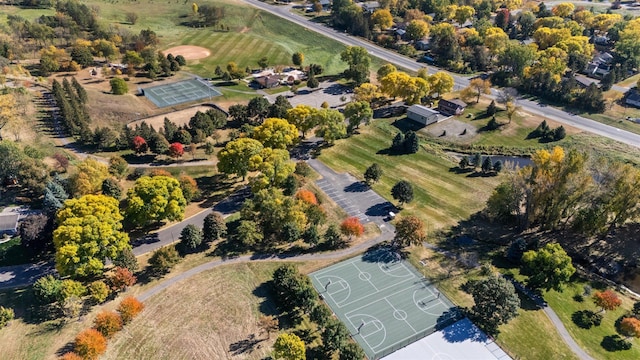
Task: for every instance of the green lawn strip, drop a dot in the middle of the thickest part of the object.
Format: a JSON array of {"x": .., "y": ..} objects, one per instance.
[
  {"x": 590, "y": 339},
  {"x": 442, "y": 197},
  {"x": 618, "y": 122}
]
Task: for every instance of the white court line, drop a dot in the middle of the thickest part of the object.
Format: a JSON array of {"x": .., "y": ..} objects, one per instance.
[
  {"x": 368, "y": 280},
  {"x": 405, "y": 320},
  {"x": 382, "y": 328}
]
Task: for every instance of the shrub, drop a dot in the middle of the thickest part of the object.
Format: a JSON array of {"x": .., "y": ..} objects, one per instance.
[
  {"x": 129, "y": 308},
  {"x": 98, "y": 291},
  {"x": 118, "y": 86},
  {"x": 189, "y": 188},
  {"x": 164, "y": 259},
  {"x": 90, "y": 344},
  {"x": 71, "y": 288},
  {"x": 190, "y": 238},
  {"x": 127, "y": 259},
  {"x": 6, "y": 315},
  {"x": 47, "y": 289},
  {"x": 352, "y": 227},
  {"x": 108, "y": 323},
  {"x": 307, "y": 197},
  {"x": 121, "y": 279},
  {"x": 71, "y": 356}
]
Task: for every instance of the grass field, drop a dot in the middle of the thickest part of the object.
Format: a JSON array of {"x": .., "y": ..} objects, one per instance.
[
  {"x": 590, "y": 339},
  {"x": 529, "y": 336},
  {"x": 212, "y": 315},
  {"x": 442, "y": 197}
]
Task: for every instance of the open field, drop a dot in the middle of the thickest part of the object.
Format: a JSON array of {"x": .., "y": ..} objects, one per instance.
[
  {"x": 212, "y": 315},
  {"x": 442, "y": 197}
]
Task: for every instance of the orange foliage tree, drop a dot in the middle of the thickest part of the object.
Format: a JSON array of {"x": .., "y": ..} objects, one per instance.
[
  {"x": 129, "y": 308},
  {"x": 160, "y": 172},
  {"x": 307, "y": 196},
  {"x": 108, "y": 323},
  {"x": 606, "y": 300},
  {"x": 352, "y": 227},
  {"x": 121, "y": 279},
  {"x": 71, "y": 356},
  {"x": 90, "y": 344},
  {"x": 629, "y": 327}
]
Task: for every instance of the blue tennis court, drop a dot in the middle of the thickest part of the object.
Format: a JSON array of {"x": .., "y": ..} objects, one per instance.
[
  {"x": 180, "y": 92},
  {"x": 383, "y": 300}
]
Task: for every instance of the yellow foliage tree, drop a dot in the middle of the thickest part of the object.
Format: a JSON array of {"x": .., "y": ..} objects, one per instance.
[
  {"x": 495, "y": 39},
  {"x": 563, "y": 9},
  {"x": 382, "y": 18},
  {"x": 276, "y": 133},
  {"x": 88, "y": 177}
]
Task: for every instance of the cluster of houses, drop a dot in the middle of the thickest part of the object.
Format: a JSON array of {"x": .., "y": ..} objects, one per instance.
[
  {"x": 446, "y": 108},
  {"x": 267, "y": 79}
]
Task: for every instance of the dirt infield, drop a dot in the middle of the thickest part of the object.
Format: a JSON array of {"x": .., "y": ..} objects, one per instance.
[
  {"x": 189, "y": 52},
  {"x": 179, "y": 117}
]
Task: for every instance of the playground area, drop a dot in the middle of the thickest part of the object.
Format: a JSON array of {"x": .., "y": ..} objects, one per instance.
[
  {"x": 384, "y": 301},
  {"x": 180, "y": 92}
]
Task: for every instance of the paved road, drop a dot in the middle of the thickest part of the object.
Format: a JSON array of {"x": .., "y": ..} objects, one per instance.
[{"x": 459, "y": 81}]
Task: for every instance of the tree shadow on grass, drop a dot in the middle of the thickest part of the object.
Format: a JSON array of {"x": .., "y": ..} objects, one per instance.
[
  {"x": 244, "y": 346},
  {"x": 613, "y": 343},
  {"x": 405, "y": 124},
  {"x": 66, "y": 348}
]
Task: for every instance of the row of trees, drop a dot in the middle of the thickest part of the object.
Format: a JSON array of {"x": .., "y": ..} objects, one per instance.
[
  {"x": 562, "y": 190},
  {"x": 299, "y": 300},
  {"x": 71, "y": 99}
]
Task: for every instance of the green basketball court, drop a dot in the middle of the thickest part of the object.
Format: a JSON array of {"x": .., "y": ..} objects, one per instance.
[{"x": 383, "y": 300}]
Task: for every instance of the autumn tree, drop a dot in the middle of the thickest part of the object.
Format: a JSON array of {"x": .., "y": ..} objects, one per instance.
[
  {"x": 71, "y": 356},
  {"x": 176, "y": 150},
  {"x": 297, "y": 58},
  {"x": 402, "y": 191},
  {"x": 98, "y": 291},
  {"x": 129, "y": 308},
  {"x": 352, "y": 227},
  {"x": 214, "y": 227},
  {"x": 268, "y": 324},
  {"x": 373, "y": 174},
  {"x": 236, "y": 155},
  {"x": 154, "y": 199},
  {"x": 476, "y": 88},
  {"x": 121, "y": 279},
  {"x": 88, "y": 177},
  {"x": 630, "y": 327},
  {"x": 276, "y": 133},
  {"x": 549, "y": 267},
  {"x": 89, "y": 231},
  {"x": 606, "y": 300},
  {"x": 382, "y": 18},
  {"x": 90, "y": 344},
  {"x": 417, "y": 29},
  {"x": 368, "y": 92},
  {"x": 330, "y": 123},
  {"x": 118, "y": 167},
  {"x": 107, "y": 323},
  {"x": 6, "y": 315},
  {"x": 409, "y": 231},
  {"x": 307, "y": 197},
  {"x": 140, "y": 145},
  {"x": 440, "y": 83},
  {"x": 289, "y": 347}
]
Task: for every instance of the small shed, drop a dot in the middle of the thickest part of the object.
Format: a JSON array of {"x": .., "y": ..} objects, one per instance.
[
  {"x": 9, "y": 224},
  {"x": 422, "y": 114},
  {"x": 451, "y": 107}
]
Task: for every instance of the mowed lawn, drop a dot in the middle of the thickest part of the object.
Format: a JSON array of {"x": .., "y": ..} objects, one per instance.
[
  {"x": 254, "y": 34},
  {"x": 590, "y": 339},
  {"x": 442, "y": 197}
]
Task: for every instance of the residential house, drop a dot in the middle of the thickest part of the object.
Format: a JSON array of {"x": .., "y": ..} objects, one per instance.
[
  {"x": 423, "y": 45},
  {"x": 451, "y": 107},
  {"x": 9, "y": 224},
  {"x": 600, "y": 65},
  {"x": 422, "y": 114},
  {"x": 292, "y": 75},
  {"x": 370, "y": 6},
  {"x": 633, "y": 98},
  {"x": 583, "y": 81}
]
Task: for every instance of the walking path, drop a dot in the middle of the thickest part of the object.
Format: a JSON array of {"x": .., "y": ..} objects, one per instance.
[{"x": 553, "y": 317}]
